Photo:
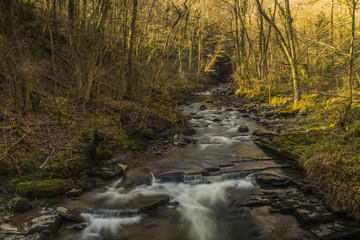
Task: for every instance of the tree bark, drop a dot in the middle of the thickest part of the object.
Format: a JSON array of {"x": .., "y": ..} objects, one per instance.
[{"x": 131, "y": 80}]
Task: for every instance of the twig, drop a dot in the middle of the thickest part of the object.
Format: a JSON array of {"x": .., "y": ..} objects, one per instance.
[{"x": 47, "y": 159}]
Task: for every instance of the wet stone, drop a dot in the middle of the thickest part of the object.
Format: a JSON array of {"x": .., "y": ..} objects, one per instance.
[
  {"x": 75, "y": 192},
  {"x": 46, "y": 223},
  {"x": 202, "y": 107},
  {"x": 71, "y": 215},
  {"x": 273, "y": 180},
  {"x": 243, "y": 128},
  {"x": 152, "y": 205},
  {"x": 78, "y": 227},
  {"x": 337, "y": 230},
  {"x": 86, "y": 184},
  {"x": 171, "y": 177},
  {"x": 6, "y": 228},
  {"x": 123, "y": 167},
  {"x": 107, "y": 174},
  {"x": 310, "y": 214},
  {"x": 189, "y": 131},
  {"x": 135, "y": 177}
]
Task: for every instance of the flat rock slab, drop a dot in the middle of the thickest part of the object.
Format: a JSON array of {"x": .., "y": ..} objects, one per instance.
[
  {"x": 337, "y": 230},
  {"x": 309, "y": 214},
  {"x": 273, "y": 180},
  {"x": 253, "y": 166},
  {"x": 46, "y": 223},
  {"x": 290, "y": 173}
]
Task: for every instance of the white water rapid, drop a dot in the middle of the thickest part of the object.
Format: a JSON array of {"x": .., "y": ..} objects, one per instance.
[{"x": 199, "y": 206}]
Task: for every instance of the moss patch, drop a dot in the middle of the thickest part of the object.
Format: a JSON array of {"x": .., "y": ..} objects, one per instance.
[{"x": 41, "y": 189}]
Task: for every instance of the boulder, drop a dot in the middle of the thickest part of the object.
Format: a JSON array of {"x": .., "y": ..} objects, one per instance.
[
  {"x": 19, "y": 204},
  {"x": 243, "y": 128},
  {"x": 273, "y": 180},
  {"x": 71, "y": 215},
  {"x": 135, "y": 177},
  {"x": 152, "y": 205},
  {"x": 189, "y": 131},
  {"x": 202, "y": 107},
  {"x": 123, "y": 167},
  {"x": 75, "y": 192},
  {"x": 86, "y": 184},
  {"x": 107, "y": 174}
]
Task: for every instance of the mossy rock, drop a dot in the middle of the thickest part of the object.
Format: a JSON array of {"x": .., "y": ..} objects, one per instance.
[
  {"x": 103, "y": 153},
  {"x": 5, "y": 169},
  {"x": 41, "y": 189},
  {"x": 19, "y": 204},
  {"x": 189, "y": 131},
  {"x": 147, "y": 133}
]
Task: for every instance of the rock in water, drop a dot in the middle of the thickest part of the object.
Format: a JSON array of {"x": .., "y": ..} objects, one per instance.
[
  {"x": 135, "y": 177},
  {"x": 243, "y": 128},
  {"x": 189, "y": 131},
  {"x": 202, "y": 107},
  {"x": 71, "y": 215},
  {"x": 47, "y": 223}
]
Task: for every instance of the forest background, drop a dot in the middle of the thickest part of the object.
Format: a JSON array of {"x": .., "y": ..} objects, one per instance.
[{"x": 80, "y": 78}]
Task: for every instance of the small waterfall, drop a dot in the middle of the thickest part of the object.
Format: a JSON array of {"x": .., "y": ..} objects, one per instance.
[
  {"x": 108, "y": 213},
  {"x": 105, "y": 228},
  {"x": 193, "y": 179},
  {"x": 198, "y": 178},
  {"x": 198, "y": 205},
  {"x": 233, "y": 175}
]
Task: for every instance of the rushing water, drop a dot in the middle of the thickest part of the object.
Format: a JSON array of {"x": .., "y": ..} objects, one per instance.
[
  {"x": 206, "y": 182},
  {"x": 199, "y": 207}
]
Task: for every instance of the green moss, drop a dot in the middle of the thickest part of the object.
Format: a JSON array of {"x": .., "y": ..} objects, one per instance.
[
  {"x": 5, "y": 168},
  {"x": 147, "y": 133},
  {"x": 103, "y": 153},
  {"x": 41, "y": 189},
  {"x": 2, "y": 200},
  {"x": 280, "y": 100},
  {"x": 121, "y": 141},
  {"x": 19, "y": 204}
]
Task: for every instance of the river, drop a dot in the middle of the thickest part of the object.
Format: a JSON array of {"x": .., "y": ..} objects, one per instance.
[{"x": 202, "y": 190}]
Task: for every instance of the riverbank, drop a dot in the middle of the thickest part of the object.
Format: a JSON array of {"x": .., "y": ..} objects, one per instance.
[
  {"x": 311, "y": 137},
  {"x": 57, "y": 150}
]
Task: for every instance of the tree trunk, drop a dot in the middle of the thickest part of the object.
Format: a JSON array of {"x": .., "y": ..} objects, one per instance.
[
  {"x": 131, "y": 80},
  {"x": 351, "y": 65}
]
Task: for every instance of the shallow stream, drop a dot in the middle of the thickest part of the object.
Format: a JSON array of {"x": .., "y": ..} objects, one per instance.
[{"x": 201, "y": 188}]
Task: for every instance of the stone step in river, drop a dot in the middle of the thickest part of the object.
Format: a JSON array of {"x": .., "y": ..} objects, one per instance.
[{"x": 221, "y": 186}]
